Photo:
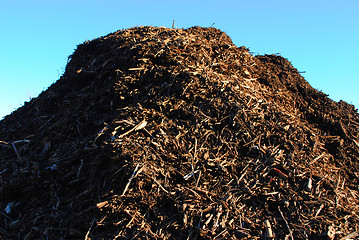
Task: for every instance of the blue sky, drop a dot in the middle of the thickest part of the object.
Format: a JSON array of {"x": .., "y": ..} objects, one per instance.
[{"x": 318, "y": 37}]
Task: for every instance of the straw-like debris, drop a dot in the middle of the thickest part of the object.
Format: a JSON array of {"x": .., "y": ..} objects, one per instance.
[{"x": 156, "y": 133}]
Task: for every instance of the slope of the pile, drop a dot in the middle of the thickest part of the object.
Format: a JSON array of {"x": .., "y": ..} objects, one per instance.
[{"x": 176, "y": 134}]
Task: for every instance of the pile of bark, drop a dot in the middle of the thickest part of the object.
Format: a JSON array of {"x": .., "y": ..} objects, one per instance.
[{"x": 156, "y": 133}]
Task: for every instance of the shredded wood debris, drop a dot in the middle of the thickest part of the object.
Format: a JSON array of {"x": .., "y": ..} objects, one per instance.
[{"x": 156, "y": 133}]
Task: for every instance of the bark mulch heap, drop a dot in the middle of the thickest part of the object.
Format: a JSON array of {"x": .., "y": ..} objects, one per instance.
[{"x": 156, "y": 133}]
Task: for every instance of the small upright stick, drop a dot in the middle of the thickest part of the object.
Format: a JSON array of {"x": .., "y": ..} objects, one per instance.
[
  {"x": 286, "y": 223},
  {"x": 173, "y": 24},
  {"x": 134, "y": 174},
  {"x": 88, "y": 232},
  {"x": 17, "y": 153}
]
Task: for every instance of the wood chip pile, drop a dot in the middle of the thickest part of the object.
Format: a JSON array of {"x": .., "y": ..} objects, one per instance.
[{"x": 156, "y": 133}]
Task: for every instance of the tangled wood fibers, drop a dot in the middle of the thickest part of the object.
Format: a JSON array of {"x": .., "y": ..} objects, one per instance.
[{"x": 156, "y": 133}]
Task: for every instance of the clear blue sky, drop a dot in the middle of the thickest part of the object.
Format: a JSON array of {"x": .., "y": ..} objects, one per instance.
[{"x": 320, "y": 37}]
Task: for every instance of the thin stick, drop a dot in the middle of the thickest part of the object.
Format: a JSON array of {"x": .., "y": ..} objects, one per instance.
[
  {"x": 350, "y": 236},
  {"x": 199, "y": 176},
  {"x": 290, "y": 231},
  {"x": 17, "y": 153},
  {"x": 19, "y": 141},
  {"x": 269, "y": 230},
  {"x": 81, "y": 165},
  {"x": 134, "y": 174},
  {"x": 139, "y": 126},
  {"x": 4, "y": 144},
  {"x": 136, "y": 69},
  {"x": 88, "y": 232},
  {"x": 154, "y": 179}
]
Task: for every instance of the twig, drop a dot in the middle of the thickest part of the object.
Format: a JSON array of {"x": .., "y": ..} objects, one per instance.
[
  {"x": 99, "y": 134},
  {"x": 320, "y": 209},
  {"x": 199, "y": 176},
  {"x": 350, "y": 236},
  {"x": 47, "y": 121},
  {"x": 134, "y": 174},
  {"x": 136, "y": 69},
  {"x": 154, "y": 179},
  {"x": 290, "y": 231},
  {"x": 4, "y": 144},
  {"x": 317, "y": 158},
  {"x": 356, "y": 143},
  {"x": 221, "y": 233},
  {"x": 187, "y": 176},
  {"x": 19, "y": 141},
  {"x": 88, "y": 232},
  {"x": 17, "y": 153},
  {"x": 80, "y": 167},
  {"x": 139, "y": 126},
  {"x": 269, "y": 230}
]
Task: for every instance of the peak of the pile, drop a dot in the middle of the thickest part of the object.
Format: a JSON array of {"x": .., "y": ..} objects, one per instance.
[
  {"x": 143, "y": 48},
  {"x": 209, "y": 33},
  {"x": 160, "y": 36}
]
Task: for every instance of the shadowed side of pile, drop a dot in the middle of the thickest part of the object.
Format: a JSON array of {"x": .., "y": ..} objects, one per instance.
[{"x": 176, "y": 134}]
